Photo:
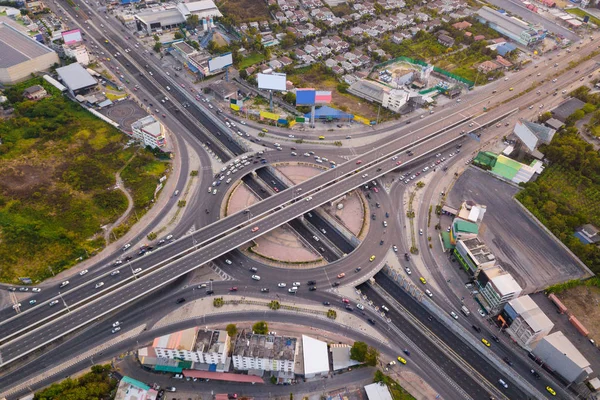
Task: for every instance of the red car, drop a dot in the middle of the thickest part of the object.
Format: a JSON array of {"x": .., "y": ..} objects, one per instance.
[
  {"x": 255, "y": 229},
  {"x": 346, "y": 301},
  {"x": 359, "y": 162},
  {"x": 398, "y": 162},
  {"x": 275, "y": 189},
  {"x": 340, "y": 276},
  {"x": 233, "y": 289}
]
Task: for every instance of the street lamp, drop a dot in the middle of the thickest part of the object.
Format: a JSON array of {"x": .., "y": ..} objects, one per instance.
[
  {"x": 64, "y": 302},
  {"x": 132, "y": 271}
]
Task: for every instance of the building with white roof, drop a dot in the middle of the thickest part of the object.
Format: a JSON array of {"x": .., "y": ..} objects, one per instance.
[
  {"x": 149, "y": 131},
  {"x": 471, "y": 211},
  {"x": 525, "y": 322},
  {"x": 316, "y": 358},
  {"x": 21, "y": 56},
  {"x": 264, "y": 352},
  {"x": 558, "y": 353},
  {"x": 340, "y": 355},
  {"x": 474, "y": 255},
  {"x": 157, "y": 20},
  {"x": 203, "y": 9},
  {"x": 76, "y": 78},
  {"x": 378, "y": 391},
  {"x": 497, "y": 287}
]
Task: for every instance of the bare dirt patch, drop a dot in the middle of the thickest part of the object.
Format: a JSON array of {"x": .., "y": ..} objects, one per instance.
[
  {"x": 244, "y": 10},
  {"x": 584, "y": 303},
  {"x": 22, "y": 180}
]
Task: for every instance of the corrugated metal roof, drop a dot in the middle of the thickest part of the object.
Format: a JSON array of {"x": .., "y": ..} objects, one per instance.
[
  {"x": 16, "y": 48},
  {"x": 461, "y": 225}
]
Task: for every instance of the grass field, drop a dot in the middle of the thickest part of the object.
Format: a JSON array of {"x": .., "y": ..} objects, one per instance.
[
  {"x": 244, "y": 10},
  {"x": 58, "y": 165},
  {"x": 251, "y": 59},
  {"x": 583, "y": 302}
]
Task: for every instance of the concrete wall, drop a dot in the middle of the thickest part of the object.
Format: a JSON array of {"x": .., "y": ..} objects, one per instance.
[{"x": 20, "y": 72}]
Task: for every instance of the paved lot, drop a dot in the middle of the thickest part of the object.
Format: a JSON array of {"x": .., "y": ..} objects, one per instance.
[
  {"x": 283, "y": 244},
  {"x": 523, "y": 248},
  {"x": 352, "y": 215},
  {"x": 124, "y": 113}
]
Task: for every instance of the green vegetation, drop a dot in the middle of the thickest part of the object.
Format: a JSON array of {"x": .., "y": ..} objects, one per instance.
[
  {"x": 331, "y": 314},
  {"x": 567, "y": 194},
  {"x": 218, "y": 302},
  {"x": 423, "y": 46},
  {"x": 561, "y": 287},
  {"x": 250, "y": 59},
  {"x": 260, "y": 328},
  {"x": 96, "y": 384},
  {"x": 141, "y": 176},
  {"x": 244, "y": 10},
  {"x": 364, "y": 354},
  {"x": 580, "y": 13},
  {"x": 274, "y": 305},
  {"x": 58, "y": 164},
  {"x": 397, "y": 391},
  {"x": 231, "y": 329}
]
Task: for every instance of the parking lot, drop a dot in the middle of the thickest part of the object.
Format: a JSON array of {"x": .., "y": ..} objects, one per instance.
[
  {"x": 535, "y": 259},
  {"x": 124, "y": 113}
]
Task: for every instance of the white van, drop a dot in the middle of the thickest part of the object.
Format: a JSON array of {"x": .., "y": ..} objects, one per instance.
[
  {"x": 465, "y": 311},
  {"x": 168, "y": 88}
]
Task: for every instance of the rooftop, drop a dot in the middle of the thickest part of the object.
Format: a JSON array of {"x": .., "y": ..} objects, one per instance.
[
  {"x": 75, "y": 77},
  {"x": 560, "y": 342},
  {"x": 478, "y": 251},
  {"x": 202, "y": 8},
  {"x": 131, "y": 389},
  {"x": 369, "y": 90},
  {"x": 460, "y": 225},
  {"x": 184, "y": 47},
  {"x": 182, "y": 340},
  {"x": 211, "y": 341},
  {"x": 169, "y": 16},
  {"x": 16, "y": 47},
  {"x": 505, "y": 284},
  {"x": 316, "y": 358},
  {"x": 567, "y": 108},
  {"x": 249, "y": 344},
  {"x": 340, "y": 354},
  {"x": 378, "y": 391},
  {"x": 501, "y": 20},
  {"x": 531, "y": 313}
]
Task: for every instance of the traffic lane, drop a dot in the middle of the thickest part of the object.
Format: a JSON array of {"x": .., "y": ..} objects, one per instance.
[
  {"x": 472, "y": 357},
  {"x": 468, "y": 383}
]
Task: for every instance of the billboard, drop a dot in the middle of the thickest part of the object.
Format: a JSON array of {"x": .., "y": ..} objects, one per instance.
[
  {"x": 322, "y": 97},
  {"x": 72, "y": 37},
  {"x": 269, "y": 115},
  {"x": 220, "y": 62},
  {"x": 305, "y": 97},
  {"x": 272, "y": 81}
]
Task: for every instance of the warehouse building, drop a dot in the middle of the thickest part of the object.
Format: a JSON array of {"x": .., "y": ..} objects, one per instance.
[
  {"x": 76, "y": 78},
  {"x": 21, "y": 56},
  {"x": 158, "y": 20},
  {"x": 525, "y": 322},
  {"x": 316, "y": 357},
  {"x": 558, "y": 353},
  {"x": 512, "y": 28},
  {"x": 392, "y": 99}
]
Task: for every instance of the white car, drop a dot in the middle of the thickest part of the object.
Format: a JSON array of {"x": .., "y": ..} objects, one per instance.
[
  {"x": 395, "y": 248},
  {"x": 137, "y": 270},
  {"x": 453, "y": 314},
  {"x": 116, "y": 324},
  {"x": 408, "y": 271},
  {"x": 53, "y": 303},
  {"x": 32, "y": 301},
  {"x": 282, "y": 284},
  {"x": 296, "y": 284},
  {"x": 293, "y": 289},
  {"x": 36, "y": 290},
  {"x": 85, "y": 271},
  {"x": 360, "y": 306},
  {"x": 128, "y": 245},
  {"x": 256, "y": 277},
  {"x": 428, "y": 292},
  {"x": 115, "y": 272},
  {"x": 228, "y": 261},
  {"x": 99, "y": 285},
  {"x": 117, "y": 329}
]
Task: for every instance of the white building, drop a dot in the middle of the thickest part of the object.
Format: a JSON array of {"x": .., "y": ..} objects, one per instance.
[
  {"x": 76, "y": 78},
  {"x": 79, "y": 53},
  {"x": 378, "y": 391},
  {"x": 340, "y": 356},
  {"x": 149, "y": 131},
  {"x": 316, "y": 357},
  {"x": 202, "y": 348},
  {"x": 558, "y": 353},
  {"x": 474, "y": 255},
  {"x": 497, "y": 287},
  {"x": 527, "y": 323},
  {"x": 264, "y": 352},
  {"x": 471, "y": 211},
  {"x": 395, "y": 99}
]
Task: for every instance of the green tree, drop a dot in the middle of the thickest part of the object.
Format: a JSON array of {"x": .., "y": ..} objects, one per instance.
[
  {"x": 231, "y": 330},
  {"x": 358, "y": 352},
  {"x": 156, "y": 38},
  {"x": 372, "y": 356},
  {"x": 260, "y": 328},
  {"x": 290, "y": 98},
  {"x": 193, "y": 21},
  {"x": 157, "y": 47},
  {"x": 178, "y": 35}
]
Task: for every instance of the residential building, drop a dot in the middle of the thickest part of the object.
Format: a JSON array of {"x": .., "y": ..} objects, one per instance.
[
  {"x": 188, "y": 349},
  {"x": 264, "y": 352},
  {"x": 525, "y": 322},
  {"x": 497, "y": 287},
  {"x": 462, "y": 25},
  {"x": 78, "y": 52},
  {"x": 395, "y": 99},
  {"x": 588, "y": 234},
  {"x": 315, "y": 357},
  {"x": 76, "y": 78},
  {"x": 35, "y": 92},
  {"x": 131, "y": 389},
  {"x": 22, "y": 56},
  {"x": 488, "y": 66},
  {"x": 149, "y": 131},
  {"x": 474, "y": 255},
  {"x": 558, "y": 353},
  {"x": 462, "y": 230},
  {"x": 510, "y": 27},
  {"x": 531, "y": 135},
  {"x": 445, "y": 40}
]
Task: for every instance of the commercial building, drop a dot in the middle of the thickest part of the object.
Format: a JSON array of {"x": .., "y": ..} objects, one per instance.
[
  {"x": 156, "y": 21},
  {"x": 188, "y": 349},
  {"x": 21, "y": 56},
  {"x": 340, "y": 356},
  {"x": 497, "y": 287},
  {"x": 392, "y": 99},
  {"x": 131, "y": 389},
  {"x": 510, "y": 27},
  {"x": 378, "y": 391},
  {"x": 525, "y": 322},
  {"x": 316, "y": 357},
  {"x": 558, "y": 353},
  {"x": 76, "y": 78},
  {"x": 78, "y": 52},
  {"x": 223, "y": 90},
  {"x": 204, "y": 9},
  {"x": 474, "y": 255},
  {"x": 532, "y": 135},
  {"x": 149, "y": 131},
  {"x": 462, "y": 230},
  {"x": 264, "y": 353},
  {"x": 471, "y": 211}
]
